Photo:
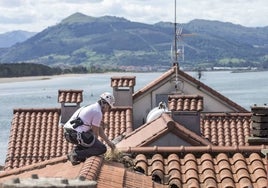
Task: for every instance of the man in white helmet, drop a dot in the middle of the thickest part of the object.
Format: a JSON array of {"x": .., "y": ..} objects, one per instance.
[{"x": 84, "y": 127}]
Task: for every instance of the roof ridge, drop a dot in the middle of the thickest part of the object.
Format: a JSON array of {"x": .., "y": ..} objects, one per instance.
[
  {"x": 193, "y": 149},
  {"x": 175, "y": 126},
  {"x": 91, "y": 168},
  {"x": 214, "y": 92},
  {"x": 190, "y": 134},
  {"x": 35, "y": 109},
  {"x": 33, "y": 166}
]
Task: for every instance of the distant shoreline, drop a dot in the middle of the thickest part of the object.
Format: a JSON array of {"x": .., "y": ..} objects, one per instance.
[{"x": 33, "y": 78}]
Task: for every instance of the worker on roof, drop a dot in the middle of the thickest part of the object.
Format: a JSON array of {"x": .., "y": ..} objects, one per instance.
[{"x": 84, "y": 128}]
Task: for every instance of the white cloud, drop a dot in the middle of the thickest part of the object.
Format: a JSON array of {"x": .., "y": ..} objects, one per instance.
[{"x": 36, "y": 15}]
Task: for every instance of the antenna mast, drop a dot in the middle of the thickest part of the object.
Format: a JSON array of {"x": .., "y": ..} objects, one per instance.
[
  {"x": 176, "y": 63},
  {"x": 175, "y": 36}
]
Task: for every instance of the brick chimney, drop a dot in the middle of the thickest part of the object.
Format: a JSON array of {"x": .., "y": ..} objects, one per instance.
[
  {"x": 70, "y": 101},
  {"x": 259, "y": 125},
  {"x": 123, "y": 89},
  {"x": 185, "y": 109}
]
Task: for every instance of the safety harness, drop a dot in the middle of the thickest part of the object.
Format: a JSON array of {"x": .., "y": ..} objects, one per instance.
[{"x": 85, "y": 139}]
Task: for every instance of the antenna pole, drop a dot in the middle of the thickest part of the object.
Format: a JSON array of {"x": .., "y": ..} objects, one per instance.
[{"x": 175, "y": 35}]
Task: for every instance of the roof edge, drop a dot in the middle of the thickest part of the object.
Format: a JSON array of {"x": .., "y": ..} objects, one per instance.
[
  {"x": 33, "y": 166},
  {"x": 194, "y": 149}
]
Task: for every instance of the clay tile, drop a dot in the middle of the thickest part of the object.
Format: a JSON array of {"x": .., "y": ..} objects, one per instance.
[
  {"x": 173, "y": 157},
  {"x": 191, "y": 176},
  {"x": 158, "y": 175},
  {"x": 243, "y": 176},
  {"x": 125, "y": 84},
  {"x": 254, "y": 157},
  {"x": 206, "y": 157},
  {"x": 120, "y": 83},
  {"x": 238, "y": 157},
  {"x": 225, "y": 174},
  {"x": 209, "y": 177},
  {"x": 228, "y": 183},
  {"x": 174, "y": 182},
  {"x": 207, "y": 166},
  {"x": 189, "y": 157},
  {"x": 193, "y": 106},
  {"x": 141, "y": 163},
  {"x": 222, "y": 157},
  {"x": 186, "y": 105},
  {"x": 262, "y": 182},
  {"x": 180, "y": 104},
  {"x": 158, "y": 161}
]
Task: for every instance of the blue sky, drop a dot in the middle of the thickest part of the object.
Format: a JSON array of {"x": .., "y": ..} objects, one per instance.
[{"x": 36, "y": 15}]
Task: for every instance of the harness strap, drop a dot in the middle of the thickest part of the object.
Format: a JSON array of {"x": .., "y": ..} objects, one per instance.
[{"x": 81, "y": 141}]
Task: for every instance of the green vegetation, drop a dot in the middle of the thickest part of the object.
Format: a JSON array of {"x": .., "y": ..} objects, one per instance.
[
  {"x": 31, "y": 69},
  {"x": 109, "y": 42}
]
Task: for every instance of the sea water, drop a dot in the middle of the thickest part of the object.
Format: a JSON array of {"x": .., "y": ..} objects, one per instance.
[{"x": 246, "y": 89}]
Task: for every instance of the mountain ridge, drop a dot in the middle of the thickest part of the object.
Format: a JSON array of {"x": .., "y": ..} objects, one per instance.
[
  {"x": 113, "y": 41},
  {"x": 10, "y": 38}
]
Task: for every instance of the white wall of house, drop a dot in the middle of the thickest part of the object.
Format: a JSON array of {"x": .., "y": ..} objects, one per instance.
[{"x": 146, "y": 102}]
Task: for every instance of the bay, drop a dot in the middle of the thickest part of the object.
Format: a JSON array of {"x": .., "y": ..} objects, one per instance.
[{"x": 246, "y": 89}]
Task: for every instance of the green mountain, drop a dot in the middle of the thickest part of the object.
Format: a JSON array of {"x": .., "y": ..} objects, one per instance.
[{"x": 111, "y": 41}]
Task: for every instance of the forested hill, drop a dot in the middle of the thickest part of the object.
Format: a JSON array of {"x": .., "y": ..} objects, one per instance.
[{"x": 111, "y": 41}]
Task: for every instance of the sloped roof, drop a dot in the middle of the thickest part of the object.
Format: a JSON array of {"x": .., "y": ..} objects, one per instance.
[
  {"x": 107, "y": 174},
  {"x": 35, "y": 136},
  {"x": 153, "y": 130},
  {"x": 207, "y": 166},
  {"x": 229, "y": 162},
  {"x": 70, "y": 96},
  {"x": 226, "y": 129},
  {"x": 165, "y": 77},
  {"x": 118, "y": 121}
]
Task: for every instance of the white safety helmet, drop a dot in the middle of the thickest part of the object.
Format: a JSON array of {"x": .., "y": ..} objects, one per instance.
[{"x": 108, "y": 97}]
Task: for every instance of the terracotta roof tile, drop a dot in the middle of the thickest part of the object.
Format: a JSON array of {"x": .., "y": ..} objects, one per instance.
[
  {"x": 107, "y": 174},
  {"x": 203, "y": 169},
  {"x": 118, "y": 121},
  {"x": 35, "y": 136},
  {"x": 91, "y": 168},
  {"x": 123, "y": 81},
  {"x": 150, "y": 132},
  {"x": 116, "y": 176},
  {"x": 70, "y": 96},
  {"x": 178, "y": 167},
  {"x": 226, "y": 129},
  {"x": 185, "y": 103}
]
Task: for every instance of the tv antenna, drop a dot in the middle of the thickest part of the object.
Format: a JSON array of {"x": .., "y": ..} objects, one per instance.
[{"x": 176, "y": 50}]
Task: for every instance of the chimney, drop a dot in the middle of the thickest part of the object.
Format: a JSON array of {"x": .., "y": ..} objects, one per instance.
[
  {"x": 123, "y": 89},
  {"x": 185, "y": 109},
  {"x": 259, "y": 125},
  {"x": 70, "y": 101}
]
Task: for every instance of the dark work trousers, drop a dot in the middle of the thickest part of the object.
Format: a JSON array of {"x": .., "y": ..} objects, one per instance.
[
  {"x": 82, "y": 152},
  {"x": 97, "y": 148}
]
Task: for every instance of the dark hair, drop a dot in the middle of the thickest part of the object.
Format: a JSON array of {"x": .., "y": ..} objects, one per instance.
[{"x": 102, "y": 102}]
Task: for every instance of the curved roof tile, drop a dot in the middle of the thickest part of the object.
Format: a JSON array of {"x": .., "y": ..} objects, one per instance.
[{"x": 70, "y": 96}]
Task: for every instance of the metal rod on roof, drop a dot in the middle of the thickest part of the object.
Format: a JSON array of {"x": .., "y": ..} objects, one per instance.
[
  {"x": 193, "y": 149},
  {"x": 175, "y": 34}
]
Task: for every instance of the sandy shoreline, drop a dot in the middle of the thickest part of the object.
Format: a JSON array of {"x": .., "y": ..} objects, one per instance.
[{"x": 32, "y": 78}]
